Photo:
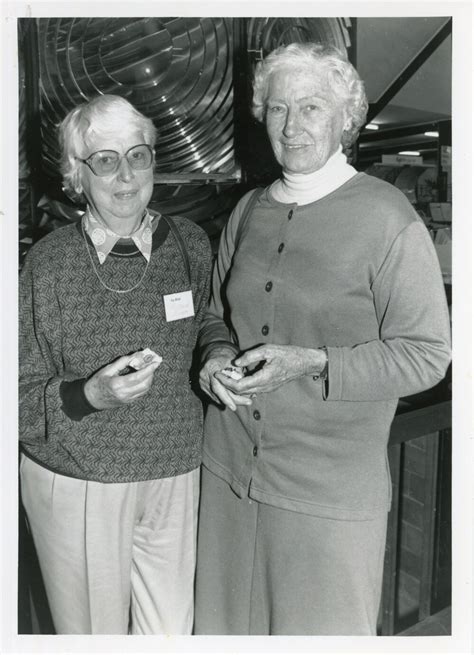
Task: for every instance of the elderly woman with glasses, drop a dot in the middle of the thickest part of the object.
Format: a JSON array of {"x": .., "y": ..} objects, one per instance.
[
  {"x": 110, "y": 428},
  {"x": 328, "y": 304}
]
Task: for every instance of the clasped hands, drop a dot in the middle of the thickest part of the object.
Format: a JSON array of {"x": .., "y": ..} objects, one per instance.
[{"x": 275, "y": 365}]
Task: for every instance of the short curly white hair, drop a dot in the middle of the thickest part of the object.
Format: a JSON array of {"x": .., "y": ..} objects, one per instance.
[
  {"x": 104, "y": 114},
  {"x": 345, "y": 82}
]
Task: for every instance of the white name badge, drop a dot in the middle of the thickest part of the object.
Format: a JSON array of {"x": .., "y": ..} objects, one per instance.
[{"x": 179, "y": 305}]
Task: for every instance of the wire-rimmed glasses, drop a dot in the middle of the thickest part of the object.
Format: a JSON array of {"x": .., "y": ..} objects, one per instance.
[{"x": 107, "y": 162}]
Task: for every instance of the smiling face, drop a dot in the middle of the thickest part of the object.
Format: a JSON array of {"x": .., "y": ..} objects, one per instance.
[
  {"x": 121, "y": 198},
  {"x": 303, "y": 118}
]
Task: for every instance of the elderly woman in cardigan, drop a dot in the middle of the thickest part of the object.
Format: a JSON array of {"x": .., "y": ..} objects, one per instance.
[
  {"x": 110, "y": 429},
  {"x": 327, "y": 306}
]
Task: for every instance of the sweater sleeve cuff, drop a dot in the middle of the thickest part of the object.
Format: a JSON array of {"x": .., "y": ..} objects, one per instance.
[
  {"x": 207, "y": 349},
  {"x": 75, "y": 404}
]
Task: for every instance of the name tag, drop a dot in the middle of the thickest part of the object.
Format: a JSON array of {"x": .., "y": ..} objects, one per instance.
[{"x": 179, "y": 305}]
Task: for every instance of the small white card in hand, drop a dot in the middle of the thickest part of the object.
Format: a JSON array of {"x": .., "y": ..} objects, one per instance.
[
  {"x": 178, "y": 305},
  {"x": 233, "y": 373},
  {"x": 139, "y": 362}
]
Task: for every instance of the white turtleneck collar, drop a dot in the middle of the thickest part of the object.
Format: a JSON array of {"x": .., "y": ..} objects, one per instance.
[{"x": 304, "y": 188}]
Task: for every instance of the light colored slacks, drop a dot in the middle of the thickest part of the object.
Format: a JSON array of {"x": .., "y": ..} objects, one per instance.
[
  {"x": 115, "y": 558},
  {"x": 262, "y": 570}
]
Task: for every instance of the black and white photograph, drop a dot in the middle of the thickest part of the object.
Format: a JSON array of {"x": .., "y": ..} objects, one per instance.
[{"x": 237, "y": 328}]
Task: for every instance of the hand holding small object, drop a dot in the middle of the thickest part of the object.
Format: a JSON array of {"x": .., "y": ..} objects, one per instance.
[
  {"x": 111, "y": 387},
  {"x": 277, "y": 365},
  {"x": 140, "y": 359},
  {"x": 220, "y": 363}
]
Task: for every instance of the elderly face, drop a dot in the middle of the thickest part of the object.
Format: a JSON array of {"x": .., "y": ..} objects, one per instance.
[
  {"x": 304, "y": 121},
  {"x": 118, "y": 199}
]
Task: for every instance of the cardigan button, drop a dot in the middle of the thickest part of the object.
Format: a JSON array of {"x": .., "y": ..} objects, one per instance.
[
  {"x": 257, "y": 416},
  {"x": 290, "y": 214},
  {"x": 255, "y": 451},
  {"x": 280, "y": 247},
  {"x": 268, "y": 286},
  {"x": 265, "y": 330}
]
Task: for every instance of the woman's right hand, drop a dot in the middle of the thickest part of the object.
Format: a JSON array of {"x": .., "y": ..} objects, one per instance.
[
  {"x": 107, "y": 388},
  {"x": 216, "y": 362}
]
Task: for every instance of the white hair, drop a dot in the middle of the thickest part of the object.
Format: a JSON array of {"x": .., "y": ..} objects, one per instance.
[
  {"x": 343, "y": 78},
  {"x": 105, "y": 114}
]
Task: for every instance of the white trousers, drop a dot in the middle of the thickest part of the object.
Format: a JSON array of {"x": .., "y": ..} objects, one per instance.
[{"x": 115, "y": 558}]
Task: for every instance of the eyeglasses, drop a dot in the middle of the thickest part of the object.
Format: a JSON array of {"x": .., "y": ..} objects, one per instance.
[{"x": 107, "y": 162}]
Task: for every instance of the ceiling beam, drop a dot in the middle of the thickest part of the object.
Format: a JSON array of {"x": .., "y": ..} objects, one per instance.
[
  {"x": 403, "y": 131},
  {"x": 424, "y": 54},
  {"x": 387, "y": 149}
]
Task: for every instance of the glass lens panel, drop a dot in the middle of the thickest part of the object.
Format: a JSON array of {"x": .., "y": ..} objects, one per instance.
[{"x": 140, "y": 157}]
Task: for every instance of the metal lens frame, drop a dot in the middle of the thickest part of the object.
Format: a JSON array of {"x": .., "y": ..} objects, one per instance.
[
  {"x": 133, "y": 163},
  {"x": 179, "y": 72}
]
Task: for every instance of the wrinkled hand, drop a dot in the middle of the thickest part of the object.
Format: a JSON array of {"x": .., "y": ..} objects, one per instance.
[
  {"x": 281, "y": 364},
  {"x": 107, "y": 389},
  {"x": 215, "y": 384}
]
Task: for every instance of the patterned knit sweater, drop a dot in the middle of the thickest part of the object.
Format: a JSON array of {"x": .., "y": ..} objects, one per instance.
[{"x": 71, "y": 326}]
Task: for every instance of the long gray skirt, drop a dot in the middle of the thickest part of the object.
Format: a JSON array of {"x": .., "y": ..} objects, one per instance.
[{"x": 262, "y": 570}]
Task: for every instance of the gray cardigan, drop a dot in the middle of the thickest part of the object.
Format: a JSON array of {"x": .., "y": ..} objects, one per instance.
[{"x": 356, "y": 272}]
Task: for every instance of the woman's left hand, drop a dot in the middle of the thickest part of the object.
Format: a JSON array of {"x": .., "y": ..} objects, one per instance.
[{"x": 280, "y": 364}]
